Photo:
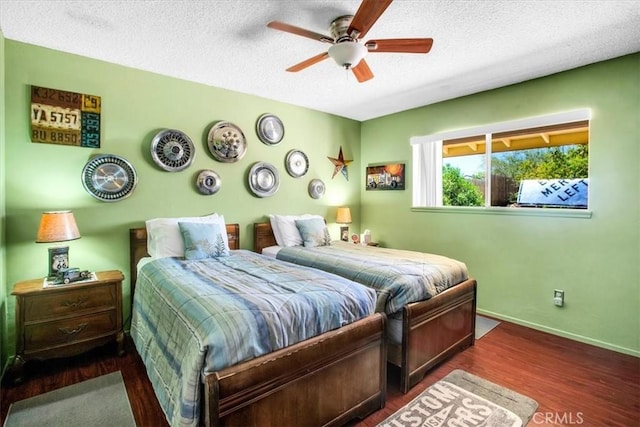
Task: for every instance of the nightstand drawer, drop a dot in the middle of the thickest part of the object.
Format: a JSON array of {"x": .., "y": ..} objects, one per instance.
[
  {"x": 50, "y": 334},
  {"x": 56, "y": 304}
]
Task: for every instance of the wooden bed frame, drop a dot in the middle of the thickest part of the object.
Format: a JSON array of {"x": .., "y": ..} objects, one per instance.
[
  {"x": 432, "y": 330},
  {"x": 326, "y": 380}
]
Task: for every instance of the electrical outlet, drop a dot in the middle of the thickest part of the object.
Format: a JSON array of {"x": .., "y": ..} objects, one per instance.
[{"x": 558, "y": 297}]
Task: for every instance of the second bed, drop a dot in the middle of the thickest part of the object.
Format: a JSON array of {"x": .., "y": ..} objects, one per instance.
[{"x": 429, "y": 299}]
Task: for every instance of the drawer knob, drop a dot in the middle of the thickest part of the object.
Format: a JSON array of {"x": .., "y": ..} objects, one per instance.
[
  {"x": 68, "y": 331},
  {"x": 77, "y": 303}
]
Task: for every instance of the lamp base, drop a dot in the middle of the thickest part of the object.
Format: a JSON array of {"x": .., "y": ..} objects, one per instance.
[{"x": 58, "y": 259}]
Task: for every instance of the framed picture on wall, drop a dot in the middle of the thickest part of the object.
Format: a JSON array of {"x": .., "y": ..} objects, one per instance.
[{"x": 389, "y": 176}]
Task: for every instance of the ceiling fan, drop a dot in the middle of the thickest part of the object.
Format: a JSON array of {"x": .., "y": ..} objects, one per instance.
[{"x": 346, "y": 34}]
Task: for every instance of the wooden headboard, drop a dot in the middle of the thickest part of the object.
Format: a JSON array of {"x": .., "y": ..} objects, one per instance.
[
  {"x": 262, "y": 236},
  {"x": 138, "y": 248}
]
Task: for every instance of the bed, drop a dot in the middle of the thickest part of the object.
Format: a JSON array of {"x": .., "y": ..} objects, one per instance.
[
  {"x": 327, "y": 379},
  {"x": 420, "y": 334}
]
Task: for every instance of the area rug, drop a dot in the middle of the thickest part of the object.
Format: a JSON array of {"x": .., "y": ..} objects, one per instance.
[
  {"x": 484, "y": 325},
  {"x": 462, "y": 399},
  {"x": 100, "y": 401}
]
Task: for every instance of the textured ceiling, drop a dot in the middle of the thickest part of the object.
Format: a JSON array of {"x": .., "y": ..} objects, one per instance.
[{"x": 478, "y": 45}]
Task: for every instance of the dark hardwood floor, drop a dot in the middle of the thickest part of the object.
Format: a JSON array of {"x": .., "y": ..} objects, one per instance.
[{"x": 573, "y": 383}]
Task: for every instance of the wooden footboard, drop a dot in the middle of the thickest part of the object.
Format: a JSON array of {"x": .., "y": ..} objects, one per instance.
[
  {"x": 433, "y": 331},
  {"x": 326, "y": 380}
]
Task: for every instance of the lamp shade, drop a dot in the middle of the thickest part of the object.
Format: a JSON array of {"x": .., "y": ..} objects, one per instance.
[
  {"x": 57, "y": 226},
  {"x": 347, "y": 54},
  {"x": 343, "y": 216}
]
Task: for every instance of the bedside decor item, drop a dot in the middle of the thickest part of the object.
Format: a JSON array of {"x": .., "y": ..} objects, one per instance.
[
  {"x": 172, "y": 150},
  {"x": 208, "y": 182},
  {"x": 385, "y": 177},
  {"x": 263, "y": 179},
  {"x": 270, "y": 129},
  {"x": 316, "y": 188},
  {"x": 69, "y": 275},
  {"x": 340, "y": 165},
  {"x": 226, "y": 142},
  {"x": 296, "y": 163},
  {"x": 343, "y": 216},
  {"x": 65, "y": 118},
  {"x": 55, "y": 227},
  {"x": 109, "y": 178},
  {"x": 365, "y": 237}
]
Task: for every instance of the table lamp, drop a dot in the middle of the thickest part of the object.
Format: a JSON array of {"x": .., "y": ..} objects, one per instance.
[
  {"x": 57, "y": 226},
  {"x": 344, "y": 217}
]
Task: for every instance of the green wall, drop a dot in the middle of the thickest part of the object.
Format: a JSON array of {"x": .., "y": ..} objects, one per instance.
[
  {"x": 136, "y": 105},
  {"x": 3, "y": 272},
  {"x": 518, "y": 259}
]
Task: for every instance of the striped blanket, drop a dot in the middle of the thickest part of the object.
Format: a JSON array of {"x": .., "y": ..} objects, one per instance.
[
  {"x": 194, "y": 317},
  {"x": 399, "y": 277}
]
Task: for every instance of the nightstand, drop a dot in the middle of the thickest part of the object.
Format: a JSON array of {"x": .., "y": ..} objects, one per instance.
[{"x": 65, "y": 320}]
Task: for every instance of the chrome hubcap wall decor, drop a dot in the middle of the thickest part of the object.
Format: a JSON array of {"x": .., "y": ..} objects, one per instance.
[
  {"x": 263, "y": 179},
  {"x": 109, "y": 178},
  {"x": 172, "y": 150},
  {"x": 226, "y": 142},
  {"x": 270, "y": 129},
  {"x": 316, "y": 188},
  {"x": 208, "y": 182},
  {"x": 296, "y": 163}
]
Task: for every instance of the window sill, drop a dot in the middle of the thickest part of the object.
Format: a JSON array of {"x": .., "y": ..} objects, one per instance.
[{"x": 546, "y": 212}]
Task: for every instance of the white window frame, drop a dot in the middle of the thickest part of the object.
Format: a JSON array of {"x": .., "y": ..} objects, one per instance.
[{"x": 418, "y": 144}]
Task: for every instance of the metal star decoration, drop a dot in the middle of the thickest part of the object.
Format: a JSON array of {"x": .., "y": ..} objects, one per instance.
[{"x": 340, "y": 165}]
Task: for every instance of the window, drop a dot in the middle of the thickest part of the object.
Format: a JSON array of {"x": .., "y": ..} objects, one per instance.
[{"x": 541, "y": 162}]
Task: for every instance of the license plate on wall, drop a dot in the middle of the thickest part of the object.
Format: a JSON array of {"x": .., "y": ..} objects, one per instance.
[{"x": 66, "y": 118}]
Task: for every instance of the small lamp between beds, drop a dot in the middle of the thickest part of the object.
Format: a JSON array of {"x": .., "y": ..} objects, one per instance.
[{"x": 344, "y": 217}]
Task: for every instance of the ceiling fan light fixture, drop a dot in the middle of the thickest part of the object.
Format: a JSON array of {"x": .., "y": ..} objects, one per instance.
[{"x": 347, "y": 54}]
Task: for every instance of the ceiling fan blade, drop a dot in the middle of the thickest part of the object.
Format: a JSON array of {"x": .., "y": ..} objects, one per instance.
[
  {"x": 367, "y": 15},
  {"x": 287, "y": 28},
  {"x": 308, "y": 62},
  {"x": 400, "y": 45},
  {"x": 362, "y": 71}
]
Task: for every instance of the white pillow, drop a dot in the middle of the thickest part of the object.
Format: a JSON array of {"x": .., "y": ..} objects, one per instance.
[
  {"x": 165, "y": 240},
  {"x": 285, "y": 230}
]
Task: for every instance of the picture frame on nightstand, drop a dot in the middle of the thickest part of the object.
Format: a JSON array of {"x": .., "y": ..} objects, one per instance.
[
  {"x": 58, "y": 259},
  {"x": 344, "y": 233}
]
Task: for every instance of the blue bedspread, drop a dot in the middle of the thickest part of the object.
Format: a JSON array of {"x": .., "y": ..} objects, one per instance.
[
  {"x": 195, "y": 317},
  {"x": 399, "y": 277}
]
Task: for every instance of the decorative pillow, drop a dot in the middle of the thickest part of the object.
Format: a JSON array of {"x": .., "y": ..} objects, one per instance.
[
  {"x": 203, "y": 240},
  {"x": 164, "y": 238},
  {"x": 285, "y": 230},
  {"x": 314, "y": 232}
]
